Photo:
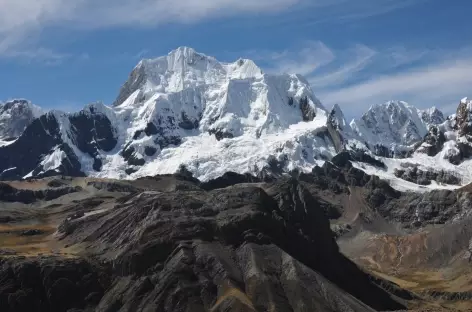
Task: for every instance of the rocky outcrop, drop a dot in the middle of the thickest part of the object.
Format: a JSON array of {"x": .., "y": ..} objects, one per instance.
[
  {"x": 308, "y": 112},
  {"x": 336, "y": 125},
  {"x": 436, "y": 207},
  {"x": 11, "y": 194},
  {"x": 41, "y": 138},
  {"x": 92, "y": 132},
  {"x": 422, "y": 177},
  {"x": 50, "y": 284},
  {"x": 229, "y": 179},
  {"x": 463, "y": 117},
  {"x": 136, "y": 80},
  {"x": 344, "y": 159},
  {"x": 15, "y": 116},
  {"x": 433, "y": 142},
  {"x": 235, "y": 247}
]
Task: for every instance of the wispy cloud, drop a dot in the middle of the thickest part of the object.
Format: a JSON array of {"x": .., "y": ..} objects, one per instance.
[
  {"x": 359, "y": 57},
  {"x": 305, "y": 61},
  {"x": 28, "y": 20},
  {"x": 360, "y": 76},
  {"x": 20, "y": 15},
  {"x": 432, "y": 84},
  {"x": 37, "y": 55}
]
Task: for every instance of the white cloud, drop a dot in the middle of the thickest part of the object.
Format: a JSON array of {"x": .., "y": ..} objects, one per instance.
[
  {"x": 360, "y": 76},
  {"x": 20, "y": 16},
  {"x": 432, "y": 84},
  {"x": 311, "y": 57},
  {"x": 38, "y": 55},
  {"x": 28, "y": 20},
  {"x": 361, "y": 56},
  {"x": 22, "y": 22},
  {"x": 16, "y": 14}
]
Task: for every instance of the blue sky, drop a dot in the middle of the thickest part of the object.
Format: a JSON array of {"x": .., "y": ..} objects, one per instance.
[{"x": 63, "y": 54}]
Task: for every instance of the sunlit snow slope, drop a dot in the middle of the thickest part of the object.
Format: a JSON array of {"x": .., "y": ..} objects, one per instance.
[
  {"x": 15, "y": 116},
  {"x": 189, "y": 109}
]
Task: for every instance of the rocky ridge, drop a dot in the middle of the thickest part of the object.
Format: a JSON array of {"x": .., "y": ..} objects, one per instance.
[{"x": 181, "y": 244}]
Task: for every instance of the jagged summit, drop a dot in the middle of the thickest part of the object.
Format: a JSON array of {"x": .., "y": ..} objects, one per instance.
[
  {"x": 432, "y": 116},
  {"x": 182, "y": 108},
  {"x": 15, "y": 116},
  {"x": 181, "y": 69},
  {"x": 187, "y": 108},
  {"x": 395, "y": 125}
]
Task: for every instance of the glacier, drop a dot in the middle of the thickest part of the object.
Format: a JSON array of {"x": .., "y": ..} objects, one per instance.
[{"x": 189, "y": 109}]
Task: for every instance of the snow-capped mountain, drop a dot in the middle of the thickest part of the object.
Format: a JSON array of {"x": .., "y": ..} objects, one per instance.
[
  {"x": 15, "y": 116},
  {"x": 392, "y": 128},
  {"x": 185, "y": 108},
  {"x": 189, "y": 109}
]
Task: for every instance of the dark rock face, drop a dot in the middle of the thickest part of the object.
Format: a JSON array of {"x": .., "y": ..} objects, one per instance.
[
  {"x": 135, "y": 81},
  {"x": 11, "y": 194},
  {"x": 383, "y": 151},
  {"x": 128, "y": 154},
  {"x": 114, "y": 187},
  {"x": 56, "y": 183},
  {"x": 92, "y": 132},
  {"x": 433, "y": 142},
  {"x": 15, "y": 116},
  {"x": 150, "y": 151},
  {"x": 40, "y": 138},
  {"x": 433, "y": 116},
  {"x": 229, "y": 179},
  {"x": 220, "y": 135},
  {"x": 334, "y": 129},
  {"x": 232, "y": 248},
  {"x": 418, "y": 176},
  {"x": 463, "y": 118},
  {"x": 166, "y": 141},
  {"x": 50, "y": 284},
  {"x": 308, "y": 113},
  {"x": 343, "y": 159},
  {"x": 436, "y": 207},
  {"x": 186, "y": 123},
  {"x": 151, "y": 129}
]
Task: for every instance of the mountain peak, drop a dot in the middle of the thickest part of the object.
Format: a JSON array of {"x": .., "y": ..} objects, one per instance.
[
  {"x": 186, "y": 52},
  {"x": 395, "y": 124},
  {"x": 183, "y": 69},
  {"x": 432, "y": 116},
  {"x": 15, "y": 116}
]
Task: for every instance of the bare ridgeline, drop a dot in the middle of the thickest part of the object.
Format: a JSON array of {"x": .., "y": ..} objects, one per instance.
[{"x": 237, "y": 243}]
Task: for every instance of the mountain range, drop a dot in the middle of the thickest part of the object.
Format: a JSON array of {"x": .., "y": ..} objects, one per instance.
[
  {"x": 189, "y": 110},
  {"x": 210, "y": 186}
]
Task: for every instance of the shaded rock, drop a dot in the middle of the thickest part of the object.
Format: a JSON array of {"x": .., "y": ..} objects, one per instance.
[
  {"x": 433, "y": 142},
  {"x": 414, "y": 174},
  {"x": 186, "y": 123},
  {"x": 436, "y": 207},
  {"x": 32, "y": 232},
  {"x": 220, "y": 135},
  {"x": 151, "y": 129},
  {"x": 308, "y": 112},
  {"x": 48, "y": 284},
  {"x": 92, "y": 132},
  {"x": 229, "y": 179},
  {"x": 11, "y": 194},
  {"x": 113, "y": 186},
  {"x": 196, "y": 245},
  {"x": 41, "y": 137},
  {"x": 56, "y": 183},
  {"x": 150, "y": 151}
]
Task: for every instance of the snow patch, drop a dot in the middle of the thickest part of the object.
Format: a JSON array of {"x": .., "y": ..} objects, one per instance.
[{"x": 53, "y": 160}]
